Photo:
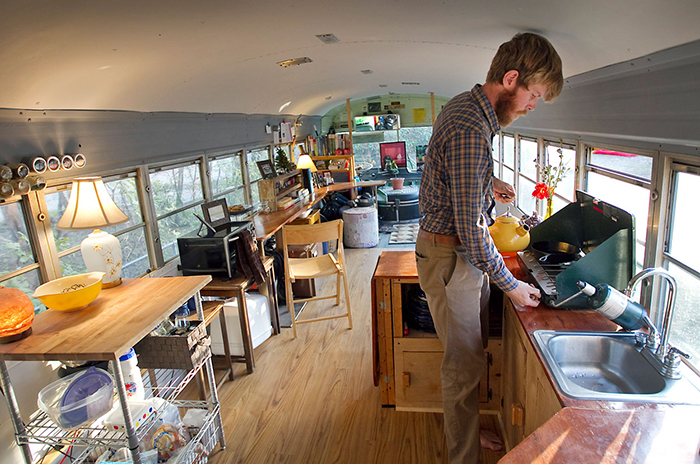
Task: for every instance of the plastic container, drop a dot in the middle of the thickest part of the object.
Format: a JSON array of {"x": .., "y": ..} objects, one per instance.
[
  {"x": 78, "y": 399},
  {"x": 132, "y": 376},
  {"x": 123, "y": 455},
  {"x": 260, "y": 326},
  {"x": 142, "y": 413}
]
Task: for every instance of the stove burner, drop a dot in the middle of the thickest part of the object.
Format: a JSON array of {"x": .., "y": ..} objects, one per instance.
[{"x": 543, "y": 275}]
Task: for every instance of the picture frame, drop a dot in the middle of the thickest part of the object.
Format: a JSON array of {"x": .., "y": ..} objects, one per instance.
[
  {"x": 327, "y": 177},
  {"x": 267, "y": 169},
  {"x": 216, "y": 213}
]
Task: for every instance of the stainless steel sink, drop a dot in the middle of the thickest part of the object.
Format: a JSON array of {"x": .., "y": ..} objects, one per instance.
[{"x": 610, "y": 366}]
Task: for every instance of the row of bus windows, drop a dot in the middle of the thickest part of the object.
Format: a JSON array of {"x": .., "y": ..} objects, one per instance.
[{"x": 623, "y": 178}]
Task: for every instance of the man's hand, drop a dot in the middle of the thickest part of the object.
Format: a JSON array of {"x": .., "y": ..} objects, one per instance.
[
  {"x": 524, "y": 295},
  {"x": 502, "y": 191}
]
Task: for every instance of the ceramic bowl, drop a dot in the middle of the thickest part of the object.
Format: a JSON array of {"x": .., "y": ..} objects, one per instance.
[{"x": 70, "y": 293}]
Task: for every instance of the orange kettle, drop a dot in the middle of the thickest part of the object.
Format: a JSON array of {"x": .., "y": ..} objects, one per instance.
[{"x": 509, "y": 234}]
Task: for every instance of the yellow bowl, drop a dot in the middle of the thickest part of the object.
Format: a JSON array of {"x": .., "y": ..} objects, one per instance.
[{"x": 70, "y": 293}]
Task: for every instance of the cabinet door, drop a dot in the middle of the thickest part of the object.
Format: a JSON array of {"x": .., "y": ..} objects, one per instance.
[
  {"x": 542, "y": 401},
  {"x": 515, "y": 356},
  {"x": 417, "y": 373}
]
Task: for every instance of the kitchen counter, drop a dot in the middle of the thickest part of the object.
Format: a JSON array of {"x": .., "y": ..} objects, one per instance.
[{"x": 600, "y": 431}]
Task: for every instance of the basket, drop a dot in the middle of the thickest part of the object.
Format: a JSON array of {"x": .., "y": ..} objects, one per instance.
[{"x": 174, "y": 351}]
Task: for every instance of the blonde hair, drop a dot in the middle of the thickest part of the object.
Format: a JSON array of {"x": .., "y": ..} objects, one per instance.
[{"x": 535, "y": 59}]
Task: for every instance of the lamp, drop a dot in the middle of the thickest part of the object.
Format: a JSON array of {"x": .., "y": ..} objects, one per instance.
[
  {"x": 91, "y": 207},
  {"x": 305, "y": 162}
]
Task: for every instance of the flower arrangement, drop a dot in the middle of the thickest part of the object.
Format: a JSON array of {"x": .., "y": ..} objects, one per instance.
[{"x": 550, "y": 176}]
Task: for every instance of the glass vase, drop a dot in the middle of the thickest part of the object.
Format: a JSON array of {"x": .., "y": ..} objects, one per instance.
[{"x": 549, "y": 211}]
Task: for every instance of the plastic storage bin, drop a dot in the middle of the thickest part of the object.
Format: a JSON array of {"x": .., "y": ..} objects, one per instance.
[
  {"x": 260, "y": 326},
  {"x": 78, "y": 399}
]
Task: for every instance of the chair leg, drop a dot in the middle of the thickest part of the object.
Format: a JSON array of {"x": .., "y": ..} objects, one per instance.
[
  {"x": 347, "y": 297},
  {"x": 290, "y": 305},
  {"x": 337, "y": 289}
]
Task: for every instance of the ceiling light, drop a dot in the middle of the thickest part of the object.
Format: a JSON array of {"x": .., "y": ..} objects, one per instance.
[
  {"x": 328, "y": 38},
  {"x": 284, "y": 106},
  {"x": 294, "y": 62},
  {"x": 410, "y": 83},
  {"x": 366, "y": 71}
]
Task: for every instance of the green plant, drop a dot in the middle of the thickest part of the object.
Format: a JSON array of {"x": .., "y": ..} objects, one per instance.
[{"x": 282, "y": 163}]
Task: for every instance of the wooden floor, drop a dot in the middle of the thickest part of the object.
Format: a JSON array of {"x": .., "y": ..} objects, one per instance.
[{"x": 312, "y": 400}]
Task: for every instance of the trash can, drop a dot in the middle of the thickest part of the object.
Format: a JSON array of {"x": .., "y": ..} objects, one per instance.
[{"x": 360, "y": 227}]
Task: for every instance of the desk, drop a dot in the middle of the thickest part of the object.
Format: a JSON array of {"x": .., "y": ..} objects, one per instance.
[
  {"x": 236, "y": 287},
  {"x": 266, "y": 225}
]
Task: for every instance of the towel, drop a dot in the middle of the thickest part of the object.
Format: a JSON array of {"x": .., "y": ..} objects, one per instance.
[{"x": 249, "y": 259}]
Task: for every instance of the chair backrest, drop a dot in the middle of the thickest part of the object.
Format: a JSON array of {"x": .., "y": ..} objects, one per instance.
[{"x": 313, "y": 233}]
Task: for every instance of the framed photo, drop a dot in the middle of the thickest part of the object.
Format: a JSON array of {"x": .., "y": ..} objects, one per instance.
[
  {"x": 267, "y": 169},
  {"x": 327, "y": 177},
  {"x": 216, "y": 212}
]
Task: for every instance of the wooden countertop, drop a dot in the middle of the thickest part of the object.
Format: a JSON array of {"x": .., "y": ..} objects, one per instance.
[{"x": 109, "y": 326}]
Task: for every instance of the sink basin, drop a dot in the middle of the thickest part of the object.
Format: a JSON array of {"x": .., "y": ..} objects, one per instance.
[{"x": 610, "y": 366}]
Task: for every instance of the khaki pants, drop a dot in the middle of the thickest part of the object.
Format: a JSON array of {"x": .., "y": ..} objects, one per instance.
[{"x": 457, "y": 294}]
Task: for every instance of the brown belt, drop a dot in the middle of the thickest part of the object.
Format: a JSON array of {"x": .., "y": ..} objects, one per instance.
[{"x": 439, "y": 238}]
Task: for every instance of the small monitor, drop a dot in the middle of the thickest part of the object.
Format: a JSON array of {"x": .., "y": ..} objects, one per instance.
[
  {"x": 395, "y": 150},
  {"x": 216, "y": 213}
]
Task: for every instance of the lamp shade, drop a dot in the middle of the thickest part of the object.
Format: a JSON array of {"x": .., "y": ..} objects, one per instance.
[
  {"x": 90, "y": 206},
  {"x": 305, "y": 162}
]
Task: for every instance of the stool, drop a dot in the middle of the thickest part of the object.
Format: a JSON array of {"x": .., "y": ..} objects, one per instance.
[{"x": 360, "y": 227}]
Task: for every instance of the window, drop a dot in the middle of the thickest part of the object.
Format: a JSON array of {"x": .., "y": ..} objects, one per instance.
[
  {"x": 252, "y": 157},
  {"x": 622, "y": 179},
  {"x": 366, "y": 145},
  {"x": 177, "y": 194},
  {"x": 527, "y": 176},
  {"x": 18, "y": 264},
  {"x": 131, "y": 235},
  {"x": 681, "y": 257},
  {"x": 508, "y": 174},
  {"x": 496, "y": 149},
  {"x": 566, "y": 189},
  {"x": 227, "y": 179}
]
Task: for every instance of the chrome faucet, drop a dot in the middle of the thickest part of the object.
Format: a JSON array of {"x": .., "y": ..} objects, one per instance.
[{"x": 661, "y": 331}]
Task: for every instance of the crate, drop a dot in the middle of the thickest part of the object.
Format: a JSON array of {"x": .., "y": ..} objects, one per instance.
[
  {"x": 174, "y": 351},
  {"x": 312, "y": 218}
]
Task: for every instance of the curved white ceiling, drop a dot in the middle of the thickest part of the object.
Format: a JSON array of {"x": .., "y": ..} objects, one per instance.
[{"x": 217, "y": 56}]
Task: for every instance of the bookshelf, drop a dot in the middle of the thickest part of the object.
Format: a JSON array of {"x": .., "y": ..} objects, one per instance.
[{"x": 276, "y": 190}]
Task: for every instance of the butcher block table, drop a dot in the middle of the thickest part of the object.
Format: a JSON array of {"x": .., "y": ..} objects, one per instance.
[{"x": 103, "y": 331}]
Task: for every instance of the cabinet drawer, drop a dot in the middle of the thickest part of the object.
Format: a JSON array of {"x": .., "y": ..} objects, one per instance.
[{"x": 417, "y": 373}]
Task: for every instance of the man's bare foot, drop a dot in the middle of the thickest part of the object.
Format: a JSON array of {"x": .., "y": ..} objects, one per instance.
[{"x": 490, "y": 440}]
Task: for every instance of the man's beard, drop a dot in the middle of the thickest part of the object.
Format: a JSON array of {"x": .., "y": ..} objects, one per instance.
[{"x": 505, "y": 108}]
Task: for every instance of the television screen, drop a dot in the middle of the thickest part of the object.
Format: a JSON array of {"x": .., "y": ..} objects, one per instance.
[
  {"x": 394, "y": 150},
  {"x": 377, "y": 123}
]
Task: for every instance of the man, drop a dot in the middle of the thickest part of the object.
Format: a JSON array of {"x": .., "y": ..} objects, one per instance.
[{"x": 454, "y": 251}]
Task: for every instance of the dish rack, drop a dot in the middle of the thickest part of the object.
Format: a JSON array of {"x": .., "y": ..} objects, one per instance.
[{"x": 87, "y": 443}]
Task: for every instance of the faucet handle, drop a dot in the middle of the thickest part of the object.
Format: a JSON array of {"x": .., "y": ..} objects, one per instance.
[
  {"x": 675, "y": 350},
  {"x": 671, "y": 365}
]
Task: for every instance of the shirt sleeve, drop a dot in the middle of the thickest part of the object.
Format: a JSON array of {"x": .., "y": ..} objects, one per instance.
[{"x": 469, "y": 164}]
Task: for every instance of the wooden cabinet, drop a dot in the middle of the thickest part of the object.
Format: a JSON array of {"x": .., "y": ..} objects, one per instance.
[
  {"x": 407, "y": 361},
  {"x": 276, "y": 190},
  {"x": 528, "y": 397}
]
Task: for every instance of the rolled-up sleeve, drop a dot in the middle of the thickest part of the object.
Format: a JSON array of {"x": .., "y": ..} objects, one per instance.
[{"x": 470, "y": 167}]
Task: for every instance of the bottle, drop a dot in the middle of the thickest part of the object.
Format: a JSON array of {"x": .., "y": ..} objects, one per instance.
[
  {"x": 21, "y": 186},
  {"x": 6, "y": 190},
  {"x": 19, "y": 170},
  {"x": 615, "y": 305},
  {"x": 5, "y": 173},
  {"x": 37, "y": 183},
  {"x": 132, "y": 376}
]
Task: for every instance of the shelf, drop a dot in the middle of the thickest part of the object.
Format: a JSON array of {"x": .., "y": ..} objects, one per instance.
[
  {"x": 288, "y": 190},
  {"x": 171, "y": 382}
]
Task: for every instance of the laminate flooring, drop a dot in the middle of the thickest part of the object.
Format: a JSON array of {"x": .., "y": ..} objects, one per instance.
[{"x": 313, "y": 400}]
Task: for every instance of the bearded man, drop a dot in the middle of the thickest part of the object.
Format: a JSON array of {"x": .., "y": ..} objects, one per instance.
[{"x": 455, "y": 255}]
